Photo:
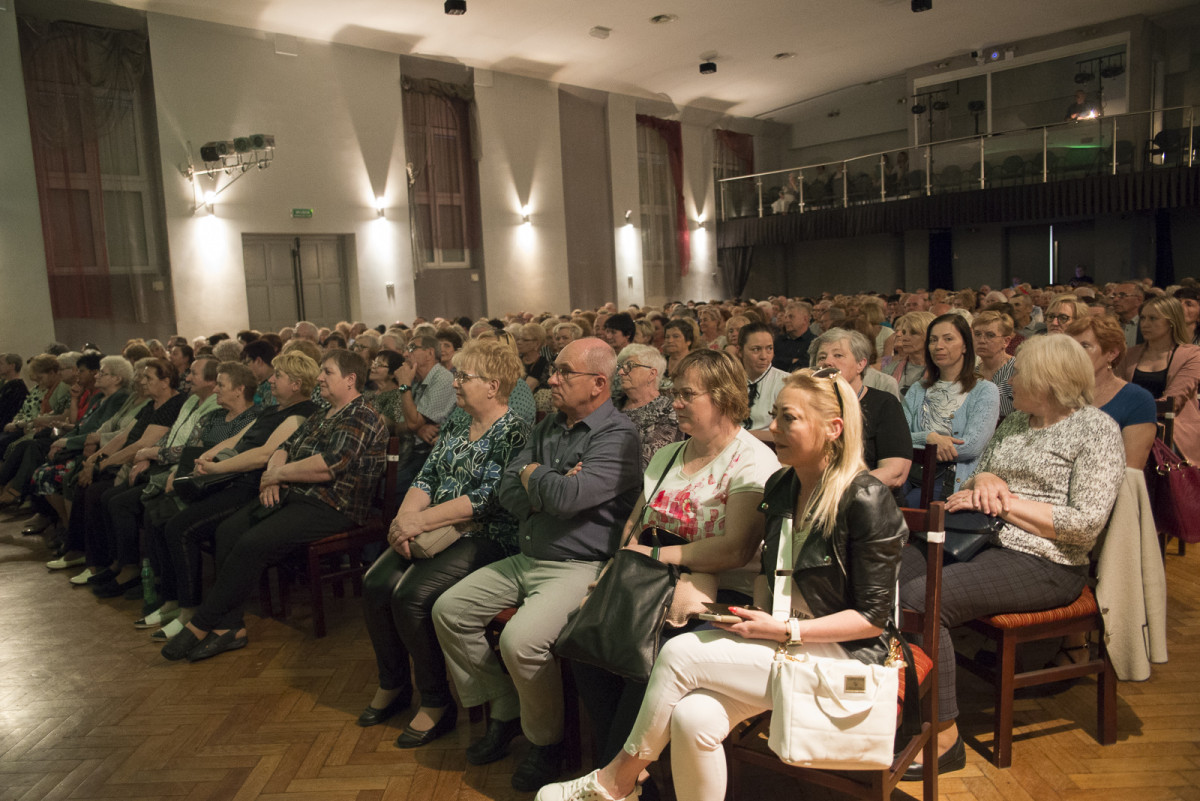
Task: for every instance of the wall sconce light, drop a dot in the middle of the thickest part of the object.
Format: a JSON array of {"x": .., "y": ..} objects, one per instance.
[
  {"x": 700, "y": 218},
  {"x": 208, "y": 200},
  {"x": 380, "y": 205},
  {"x": 629, "y": 216},
  {"x": 524, "y": 215}
]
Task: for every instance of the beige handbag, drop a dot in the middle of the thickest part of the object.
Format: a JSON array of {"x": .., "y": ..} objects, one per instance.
[{"x": 431, "y": 543}]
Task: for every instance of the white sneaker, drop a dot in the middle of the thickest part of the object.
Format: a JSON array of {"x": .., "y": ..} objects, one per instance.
[
  {"x": 60, "y": 563},
  {"x": 585, "y": 788},
  {"x": 82, "y": 578}
]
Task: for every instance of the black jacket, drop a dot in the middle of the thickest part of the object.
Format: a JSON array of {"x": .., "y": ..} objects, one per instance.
[{"x": 856, "y": 567}]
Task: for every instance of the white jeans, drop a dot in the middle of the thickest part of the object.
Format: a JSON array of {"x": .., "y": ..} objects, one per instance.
[{"x": 703, "y": 684}]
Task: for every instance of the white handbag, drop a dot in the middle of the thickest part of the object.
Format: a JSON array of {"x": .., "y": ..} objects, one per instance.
[{"x": 837, "y": 714}]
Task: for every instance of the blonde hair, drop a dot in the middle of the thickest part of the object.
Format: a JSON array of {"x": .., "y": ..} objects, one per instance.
[
  {"x": 999, "y": 318},
  {"x": 298, "y": 366},
  {"x": 1172, "y": 311},
  {"x": 845, "y": 452},
  {"x": 723, "y": 378},
  {"x": 1079, "y": 308},
  {"x": 1055, "y": 366},
  {"x": 915, "y": 323},
  {"x": 492, "y": 360}
]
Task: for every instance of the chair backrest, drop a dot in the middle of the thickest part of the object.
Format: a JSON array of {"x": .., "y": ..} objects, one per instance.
[
  {"x": 927, "y": 458},
  {"x": 932, "y": 521},
  {"x": 1164, "y": 409},
  {"x": 391, "y": 464}
]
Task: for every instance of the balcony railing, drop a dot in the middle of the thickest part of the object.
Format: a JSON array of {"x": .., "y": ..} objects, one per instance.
[{"x": 1107, "y": 145}]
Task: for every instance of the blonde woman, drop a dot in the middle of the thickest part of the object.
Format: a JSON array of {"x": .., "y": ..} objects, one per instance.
[
  {"x": 907, "y": 363},
  {"x": 1168, "y": 366},
  {"x": 818, "y": 434}
]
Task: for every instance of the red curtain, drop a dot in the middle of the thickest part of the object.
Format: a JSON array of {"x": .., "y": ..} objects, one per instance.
[
  {"x": 740, "y": 145},
  {"x": 672, "y": 134}
]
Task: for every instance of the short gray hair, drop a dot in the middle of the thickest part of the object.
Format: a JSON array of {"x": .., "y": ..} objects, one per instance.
[
  {"x": 644, "y": 354},
  {"x": 860, "y": 346},
  {"x": 119, "y": 367}
]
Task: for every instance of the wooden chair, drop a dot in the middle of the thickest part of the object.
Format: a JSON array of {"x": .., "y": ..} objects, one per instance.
[
  {"x": 747, "y": 744},
  {"x": 1164, "y": 409},
  {"x": 1008, "y": 631},
  {"x": 323, "y": 559},
  {"x": 927, "y": 458}
]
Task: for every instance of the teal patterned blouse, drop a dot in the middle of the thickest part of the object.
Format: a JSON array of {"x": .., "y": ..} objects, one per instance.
[{"x": 456, "y": 467}]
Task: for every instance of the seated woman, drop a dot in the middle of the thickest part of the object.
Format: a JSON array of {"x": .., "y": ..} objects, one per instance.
[
  {"x": 680, "y": 337},
  {"x": 887, "y": 445},
  {"x": 320, "y": 482},
  {"x": 175, "y": 537},
  {"x": 521, "y": 400},
  {"x": 1168, "y": 366},
  {"x": 104, "y": 473},
  {"x": 1051, "y": 474},
  {"x": 1103, "y": 340},
  {"x": 529, "y": 346},
  {"x": 704, "y": 490},
  {"x": 907, "y": 362},
  {"x": 456, "y": 487},
  {"x": 951, "y": 409},
  {"x": 1062, "y": 311},
  {"x": 992, "y": 331},
  {"x": 640, "y": 368},
  {"x": 842, "y": 513},
  {"x": 49, "y": 396},
  {"x": 384, "y": 393}
]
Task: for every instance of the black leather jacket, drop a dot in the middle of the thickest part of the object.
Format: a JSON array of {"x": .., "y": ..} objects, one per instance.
[{"x": 856, "y": 567}]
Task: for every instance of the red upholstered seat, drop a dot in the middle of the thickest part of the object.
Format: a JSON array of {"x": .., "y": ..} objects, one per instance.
[
  {"x": 1083, "y": 606},
  {"x": 923, "y": 664}
]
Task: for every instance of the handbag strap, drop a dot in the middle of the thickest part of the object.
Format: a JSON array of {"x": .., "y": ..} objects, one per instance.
[
  {"x": 653, "y": 492},
  {"x": 910, "y": 720}
]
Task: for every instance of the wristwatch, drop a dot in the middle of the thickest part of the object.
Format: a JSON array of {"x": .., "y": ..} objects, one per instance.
[
  {"x": 793, "y": 632},
  {"x": 404, "y": 388}
]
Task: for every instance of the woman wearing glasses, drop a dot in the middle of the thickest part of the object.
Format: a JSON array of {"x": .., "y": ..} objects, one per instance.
[
  {"x": 456, "y": 487},
  {"x": 951, "y": 409},
  {"x": 706, "y": 682},
  {"x": 641, "y": 368},
  {"x": 993, "y": 331},
  {"x": 1062, "y": 311},
  {"x": 384, "y": 392},
  {"x": 705, "y": 491}
]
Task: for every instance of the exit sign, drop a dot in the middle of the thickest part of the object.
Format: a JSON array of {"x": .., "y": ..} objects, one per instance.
[{"x": 302, "y": 214}]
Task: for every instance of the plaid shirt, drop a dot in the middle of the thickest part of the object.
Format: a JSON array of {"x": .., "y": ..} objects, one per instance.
[{"x": 353, "y": 443}]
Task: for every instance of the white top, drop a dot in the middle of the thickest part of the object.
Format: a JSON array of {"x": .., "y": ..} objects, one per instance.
[
  {"x": 769, "y": 384},
  {"x": 693, "y": 506}
]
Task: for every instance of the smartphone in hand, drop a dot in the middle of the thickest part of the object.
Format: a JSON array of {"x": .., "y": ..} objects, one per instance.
[{"x": 718, "y": 613}]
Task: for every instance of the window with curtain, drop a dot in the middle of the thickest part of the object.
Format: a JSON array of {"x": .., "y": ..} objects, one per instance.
[
  {"x": 95, "y": 157},
  {"x": 733, "y": 155},
  {"x": 656, "y": 190},
  {"x": 443, "y": 198}
]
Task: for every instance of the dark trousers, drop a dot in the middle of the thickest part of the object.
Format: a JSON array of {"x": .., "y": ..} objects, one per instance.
[
  {"x": 996, "y": 580},
  {"x": 86, "y": 531},
  {"x": 26, "y": 456},
  {"x": 244, "y": 548},
  {"x": 398, "y": 597},
  {"x": 177, "y": 543},
  {"x": 123, "y": 511}
]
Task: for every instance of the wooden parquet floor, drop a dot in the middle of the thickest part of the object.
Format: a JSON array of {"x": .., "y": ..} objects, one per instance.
[{"x": 90, "y": 710}]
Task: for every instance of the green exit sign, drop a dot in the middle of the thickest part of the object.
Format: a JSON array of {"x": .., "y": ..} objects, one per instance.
[{"x": 302, "y": 214}]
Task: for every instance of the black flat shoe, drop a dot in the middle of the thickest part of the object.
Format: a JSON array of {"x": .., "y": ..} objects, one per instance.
[
  {"x": 952, "y": 760},
  {"x": 542, "y": 765},
  {"x": 494, "y": 744},
  {"x": 371, "y": 716},
  {"x": 215, "y": 644},
  {"x": 180, "y": 645},
  {"x": 112, "y": 589},
  {"x": 414, "y": 738},
  {"x": 105, "y": 575}
]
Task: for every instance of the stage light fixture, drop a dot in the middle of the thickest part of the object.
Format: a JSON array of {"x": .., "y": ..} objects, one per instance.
[
  {"x": 707, "y": 68},
  {"x": 921, "y": 5},
  {"x": 918, "y": 108},
  {"x": 1084, "y": 77},
  {"x": 1112, "y": 71},
  {"x": 976, "y": 106},
  {"x": 940, "y": 105},
  {"x": 455, "y": 8}
]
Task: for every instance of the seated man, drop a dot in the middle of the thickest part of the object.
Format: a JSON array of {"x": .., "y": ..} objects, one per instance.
[
  {"x": 571, "y": 488},
  {"x": 427, "y": 398}
]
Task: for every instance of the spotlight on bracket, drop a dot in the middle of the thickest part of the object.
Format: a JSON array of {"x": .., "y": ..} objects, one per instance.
[
  {"x": 1083, "y": 77},
  {"x": 940, "y": 105},
  {"x": 707, "y": 67},
  {"x": 918, "y": 108},
  {"x": 455, "y": 8}
]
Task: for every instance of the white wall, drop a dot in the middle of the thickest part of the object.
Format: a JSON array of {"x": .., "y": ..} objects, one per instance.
[
  {"x": 521, "y": 165},
  {"x": 336, "y": 114},
  {"x": 26, "y": 324},
  {"x": 700, "y": 202},
  {"x": 623, "y": 166}
]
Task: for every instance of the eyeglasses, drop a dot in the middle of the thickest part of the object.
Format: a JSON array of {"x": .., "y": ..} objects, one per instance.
[
  {"x": 687, "y": 396},
  {"x": 627, "y": 367},
  {"x": 462, "y": 378},
  {"x": 412, "y": 348},
  {"x": 1058, "y": 318},
  {"x": 356, "y": 346},
  {"x": 832, "y": 374},
  {"x": 988, "y": 335},
  {"x": 565, "y": 374},
  {"x": 1121, "y": 295}
]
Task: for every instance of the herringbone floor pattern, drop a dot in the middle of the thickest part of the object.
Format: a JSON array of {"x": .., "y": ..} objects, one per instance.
[{"x": 89, "y": 710}]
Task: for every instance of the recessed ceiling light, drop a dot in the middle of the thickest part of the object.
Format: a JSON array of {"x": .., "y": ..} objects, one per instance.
[
  {"x": 783, "y": 56},
  {"x": 662, "y": 19}
]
